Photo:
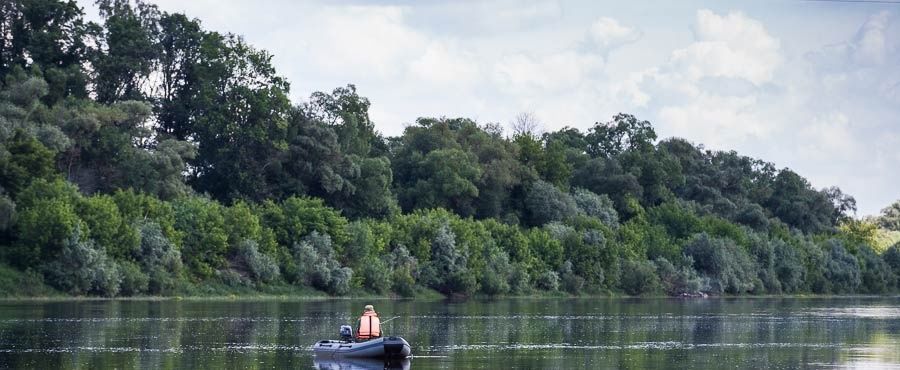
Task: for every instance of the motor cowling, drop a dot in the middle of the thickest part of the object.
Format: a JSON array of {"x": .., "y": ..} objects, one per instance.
[{"x": 346, "y": 332}]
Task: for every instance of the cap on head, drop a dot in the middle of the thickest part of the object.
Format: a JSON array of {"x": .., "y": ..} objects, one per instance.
[{"x": 369, "y": 308}]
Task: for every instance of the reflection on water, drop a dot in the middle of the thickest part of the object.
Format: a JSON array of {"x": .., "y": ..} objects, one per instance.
[
  {"x": 360, "y": 364},
  {"x": 522, "y": 333}
]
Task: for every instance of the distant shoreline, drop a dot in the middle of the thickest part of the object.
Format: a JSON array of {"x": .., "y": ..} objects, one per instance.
[{"x": 426, "y": 298}]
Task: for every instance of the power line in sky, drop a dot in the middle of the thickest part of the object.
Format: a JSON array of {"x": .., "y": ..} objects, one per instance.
[{"x": 857, "y": 1}]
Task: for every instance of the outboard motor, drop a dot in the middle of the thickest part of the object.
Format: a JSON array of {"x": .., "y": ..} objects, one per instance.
[{"x": 346, "y": 333}]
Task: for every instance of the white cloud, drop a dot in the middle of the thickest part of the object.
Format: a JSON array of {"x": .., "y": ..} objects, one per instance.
[
  {"x": 607, "y": 33},
  {"x": 716, "y": 121},
  {"x": 709, "y": 90},
  {"x": 517, "y": 12},
  {"x": 363, "y": 39},
  {"x": 446, "y": 64},
  {"x": 522, "y": 73},
  {"x": 828, "y": 134},
  {"x": 870, "y": 46},
  {"x": 731, "y": 45}
]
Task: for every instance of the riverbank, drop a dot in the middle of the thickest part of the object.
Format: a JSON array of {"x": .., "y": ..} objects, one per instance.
[{"x": 16, "y": 285}]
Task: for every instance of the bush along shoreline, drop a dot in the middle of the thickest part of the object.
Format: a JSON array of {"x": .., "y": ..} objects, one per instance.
[{"x": 142, "y": 155}]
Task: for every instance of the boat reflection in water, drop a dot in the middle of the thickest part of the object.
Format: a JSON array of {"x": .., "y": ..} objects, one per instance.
[{"x": 360, "y": 364}]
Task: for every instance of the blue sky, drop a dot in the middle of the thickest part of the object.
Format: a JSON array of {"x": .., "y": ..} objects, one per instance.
[{"x": 810, "y": 85}]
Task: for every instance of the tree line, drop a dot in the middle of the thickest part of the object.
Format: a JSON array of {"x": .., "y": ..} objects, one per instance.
[{"x": 145, "y": 155}]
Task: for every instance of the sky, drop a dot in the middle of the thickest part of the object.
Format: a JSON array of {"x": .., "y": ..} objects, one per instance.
[{"x": 809, "y": 85}]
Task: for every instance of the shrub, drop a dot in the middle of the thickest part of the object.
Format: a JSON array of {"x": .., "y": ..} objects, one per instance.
[
  {"x": 405, "y": 268},
  {"x": 876, "y": 275},
  {"x": 571, "y": 282},
  {"x": 841, "y": 268},
  {"x": 763, "y": 252},
  {"x": 232, "y": 278},
  {"x": 519, "y": 281},
  {"x": 44, "y": 229},
  {"x": 205, "y": 240},
  {"x": 83, "y": 268},
  {"x": 107, "y": 227},
  {"x": 447, "y": 271},
  {"x": 892, "y": 258},
  {"x": 316, "y": 266},
  {"x": 134, "y": 281},
  {"x": 727, "y": 265},
  {"x": 677, "y": 281},
  {"x": 261, "y": 267},
  {"x": 340, "y": 281},
  {"x": 403, "y": 283},
  {"x": 548, "y": 280},
  {"x": 375, "y": 274},
  {"x": 495, "y": 279},
  {"x": 639, "y": 277},
  {"x": 159, "y": 258},
  {"x": 599, "y": 206},
  {"x": 788, "y": 266},
  {"x": 546, "y": 203}
]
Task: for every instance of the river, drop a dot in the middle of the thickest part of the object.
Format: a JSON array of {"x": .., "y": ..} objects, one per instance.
[{"x": 562, "y": 333}]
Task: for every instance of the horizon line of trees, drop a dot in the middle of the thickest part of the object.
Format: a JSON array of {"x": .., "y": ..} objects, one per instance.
[{"x": 145, "y": 154}]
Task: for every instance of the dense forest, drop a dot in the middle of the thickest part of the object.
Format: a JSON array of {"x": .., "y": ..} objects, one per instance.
[{"x": 144, "y": 155}]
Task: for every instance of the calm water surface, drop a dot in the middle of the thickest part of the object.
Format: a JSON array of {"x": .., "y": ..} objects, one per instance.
[{"x": 515, "y": 333}]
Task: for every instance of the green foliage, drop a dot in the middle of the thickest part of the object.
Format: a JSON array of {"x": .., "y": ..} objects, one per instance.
[
  {"x": 376, "y": 275},
  {"x": 841, "y": 268},
  {"x": 571, "y": 282},
  {"x": 890, "y": 217},
  {"x": 447, "y": 271},
  {"x": 22, "y": 160},
  {"x": 892, "y": 258},
  {"x": 139, "y": 209},
  {"x": 108, "y": 228},
  {"x": 186, "y": 160},
  {"x": 298, "y": 217},
  {"x": 447, "y": 180},
  {"x": 598, "y": 206},
  {"x": 316, "y": 265},
  {"x": 639, "y": 277},
  {"x": 788, "y": 266},
  {"x": 876, "y": 276},
  {"x": 405, "y": 268},
  {"x": 134, "y": 281},
  {"x": 546, "y": 203},
  {"x": 44, "y": 228},
  {"x": 726, "y": 265},
  {"x": 675, "y": 281},
  {"x": 159, "y": 258},
  {"x": 498, "y": 272},
  {"x": 83, "y": 268},
  {"x": 204, "y": 234},
  {"x": 548, "y": 280},
  {"x": 261, "y": 267}
]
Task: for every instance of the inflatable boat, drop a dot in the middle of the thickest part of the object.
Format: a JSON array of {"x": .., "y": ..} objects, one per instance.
[{"x": 384, "y": 347}]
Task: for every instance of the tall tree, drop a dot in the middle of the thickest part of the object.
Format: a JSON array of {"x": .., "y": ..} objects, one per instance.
[
  {"x": 48, "y": 34},
  {"x": 126, "y": 50}
]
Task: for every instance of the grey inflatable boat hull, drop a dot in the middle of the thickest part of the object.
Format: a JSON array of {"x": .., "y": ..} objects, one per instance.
[{"x": 385, "y": 347}]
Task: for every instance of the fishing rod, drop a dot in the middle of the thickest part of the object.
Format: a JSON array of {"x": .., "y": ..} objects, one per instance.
[{"x": 386, "y": 321}]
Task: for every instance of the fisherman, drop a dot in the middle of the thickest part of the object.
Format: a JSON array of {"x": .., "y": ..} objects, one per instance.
[{"x": 369, "y": 326}]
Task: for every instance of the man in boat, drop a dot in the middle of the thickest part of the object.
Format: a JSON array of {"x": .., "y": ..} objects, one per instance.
[{"x": 369, "y": 326}]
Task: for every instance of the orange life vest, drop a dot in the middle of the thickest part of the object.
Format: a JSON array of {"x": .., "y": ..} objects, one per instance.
[{"x": 369, "y": 326}]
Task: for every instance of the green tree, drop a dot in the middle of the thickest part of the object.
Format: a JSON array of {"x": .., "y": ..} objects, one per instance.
[
  {"x": 204, "y": 234},
  {"x": 728, "y": 266},
  {"x": 546, "y": 203},
  {"x": 49, "y": 34}
]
